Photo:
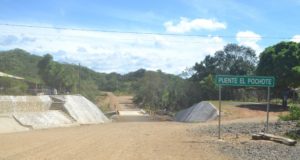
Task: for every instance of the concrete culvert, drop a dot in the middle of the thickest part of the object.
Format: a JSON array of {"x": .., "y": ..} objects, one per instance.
[{"x": 200, "y": 112}]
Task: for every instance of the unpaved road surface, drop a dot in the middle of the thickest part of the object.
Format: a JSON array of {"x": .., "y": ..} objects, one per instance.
[
  {"x": 130, "y": 140},
  {"x": 126, "y": 103},
  {"x": 112, "y": 141}
]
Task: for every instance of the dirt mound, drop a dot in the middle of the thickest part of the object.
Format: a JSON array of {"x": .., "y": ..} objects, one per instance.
[{"x": 200, "y": 112}]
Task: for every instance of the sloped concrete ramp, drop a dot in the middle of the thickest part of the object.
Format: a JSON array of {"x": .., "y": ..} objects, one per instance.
[
  {"x": 47, "y": 119},
  {"x": 22, "y": 113},
  {"x": 82, "y": 110},
  {"x": 8, "y": 124},
  {"x": 200, "y": 112}
]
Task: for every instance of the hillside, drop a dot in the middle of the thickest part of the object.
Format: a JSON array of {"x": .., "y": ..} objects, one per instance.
[
  {"x": 21, "y": 63},
  {"x": 151, "y": 87}
]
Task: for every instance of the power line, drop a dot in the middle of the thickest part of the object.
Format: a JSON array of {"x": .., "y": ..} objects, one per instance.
[{"x": 138, "y": 33}]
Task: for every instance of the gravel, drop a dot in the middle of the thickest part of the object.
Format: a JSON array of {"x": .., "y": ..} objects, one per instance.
[{"x": 246, "y": 149}]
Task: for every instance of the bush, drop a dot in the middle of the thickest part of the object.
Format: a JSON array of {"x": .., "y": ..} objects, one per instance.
[{"x": 294, "y": 113}]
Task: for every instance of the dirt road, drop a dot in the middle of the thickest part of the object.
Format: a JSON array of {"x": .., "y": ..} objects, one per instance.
[
  {"x": 112, "y": 141},
  {"x": 129, "y": 140},
  {"x": 126, "y": 103}
]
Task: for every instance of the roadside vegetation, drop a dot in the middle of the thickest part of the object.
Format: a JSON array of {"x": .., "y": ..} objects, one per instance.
[{"x": 294, "y": 113}]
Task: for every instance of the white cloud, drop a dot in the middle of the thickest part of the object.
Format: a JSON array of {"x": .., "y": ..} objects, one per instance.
[
  {"x": 250, "y": 39},
  {"x": 112, "y": 52},
  {"x": 296, "y": 38},
  {"x": 186, "y": 25}
]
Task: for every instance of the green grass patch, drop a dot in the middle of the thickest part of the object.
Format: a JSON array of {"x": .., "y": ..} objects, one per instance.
[{"x": 294, "y": 113}]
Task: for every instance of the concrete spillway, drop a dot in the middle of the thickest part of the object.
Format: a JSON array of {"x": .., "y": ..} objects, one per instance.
[
  {"x": 82, "y": 110},
  {"x": 20, "y": 113},
  {"x": 47, "y": 119},
  {"x": 9, "y": 124}
]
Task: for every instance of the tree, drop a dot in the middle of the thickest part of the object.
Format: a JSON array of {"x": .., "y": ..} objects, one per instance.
[
  {"x": 160, "y": 91},
  {"x": 44, "y": 66},
  {"x": 233, "y": 59},
  {"x": 282, "y": 61},
  {"x": 208, "y": 88},
  {"x": 56, "y": 75},
  {"x": 150, "y": 90}
]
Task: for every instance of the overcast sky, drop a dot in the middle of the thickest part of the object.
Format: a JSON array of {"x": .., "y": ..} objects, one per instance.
[{"x": 257, "y": 24}]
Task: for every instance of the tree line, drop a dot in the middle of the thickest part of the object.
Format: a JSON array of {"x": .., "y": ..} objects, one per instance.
[
  {"x": 281, "y": 61},
  {"x": 156, "y": 89}
]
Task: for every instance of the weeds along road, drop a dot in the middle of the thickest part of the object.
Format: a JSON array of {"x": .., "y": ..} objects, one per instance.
[{"x": 111, "y": 141}]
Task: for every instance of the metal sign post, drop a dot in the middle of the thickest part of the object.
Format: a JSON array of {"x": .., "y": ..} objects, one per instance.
[
  {"x": 220, "y": 99},
  {"x": 248, "y": 81},
  {"x": 268, "y": 107}
]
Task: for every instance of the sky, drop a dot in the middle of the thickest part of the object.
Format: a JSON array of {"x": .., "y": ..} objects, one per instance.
[{"x": 123, "y": 36}]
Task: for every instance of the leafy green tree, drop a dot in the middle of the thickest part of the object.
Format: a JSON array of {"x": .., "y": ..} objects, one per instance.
[
  {"x": 208, "y": 88},
  {"x": 282, "y": 61},
  {"x": 160, "y": 91},
  {"x": 233, "y": 59},
  {"x": 12, "y": 86},
  {"x": 20, "y": 63},
  {"x": 56, "y": 75}
]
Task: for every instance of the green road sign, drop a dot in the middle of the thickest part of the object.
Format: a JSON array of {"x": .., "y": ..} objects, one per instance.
[{"x": 257, "y": 81}]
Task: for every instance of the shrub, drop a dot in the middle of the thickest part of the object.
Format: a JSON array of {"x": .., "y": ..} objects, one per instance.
[{"x": 294, "y": 113}]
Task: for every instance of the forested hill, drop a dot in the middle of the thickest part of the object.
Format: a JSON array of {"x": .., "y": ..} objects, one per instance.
[
  {"x": 20, "y": 63},
  {"x": 44, "y": 72}
]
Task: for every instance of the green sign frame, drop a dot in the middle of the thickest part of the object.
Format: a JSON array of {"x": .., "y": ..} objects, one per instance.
[{"x": 248, "y": 81}]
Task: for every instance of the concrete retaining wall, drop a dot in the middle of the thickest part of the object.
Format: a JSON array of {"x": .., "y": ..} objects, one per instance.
[{"x": 14, "y": 104}]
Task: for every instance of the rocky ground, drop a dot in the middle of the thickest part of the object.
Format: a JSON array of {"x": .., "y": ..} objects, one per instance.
[{"x": 237, "y": 141}]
